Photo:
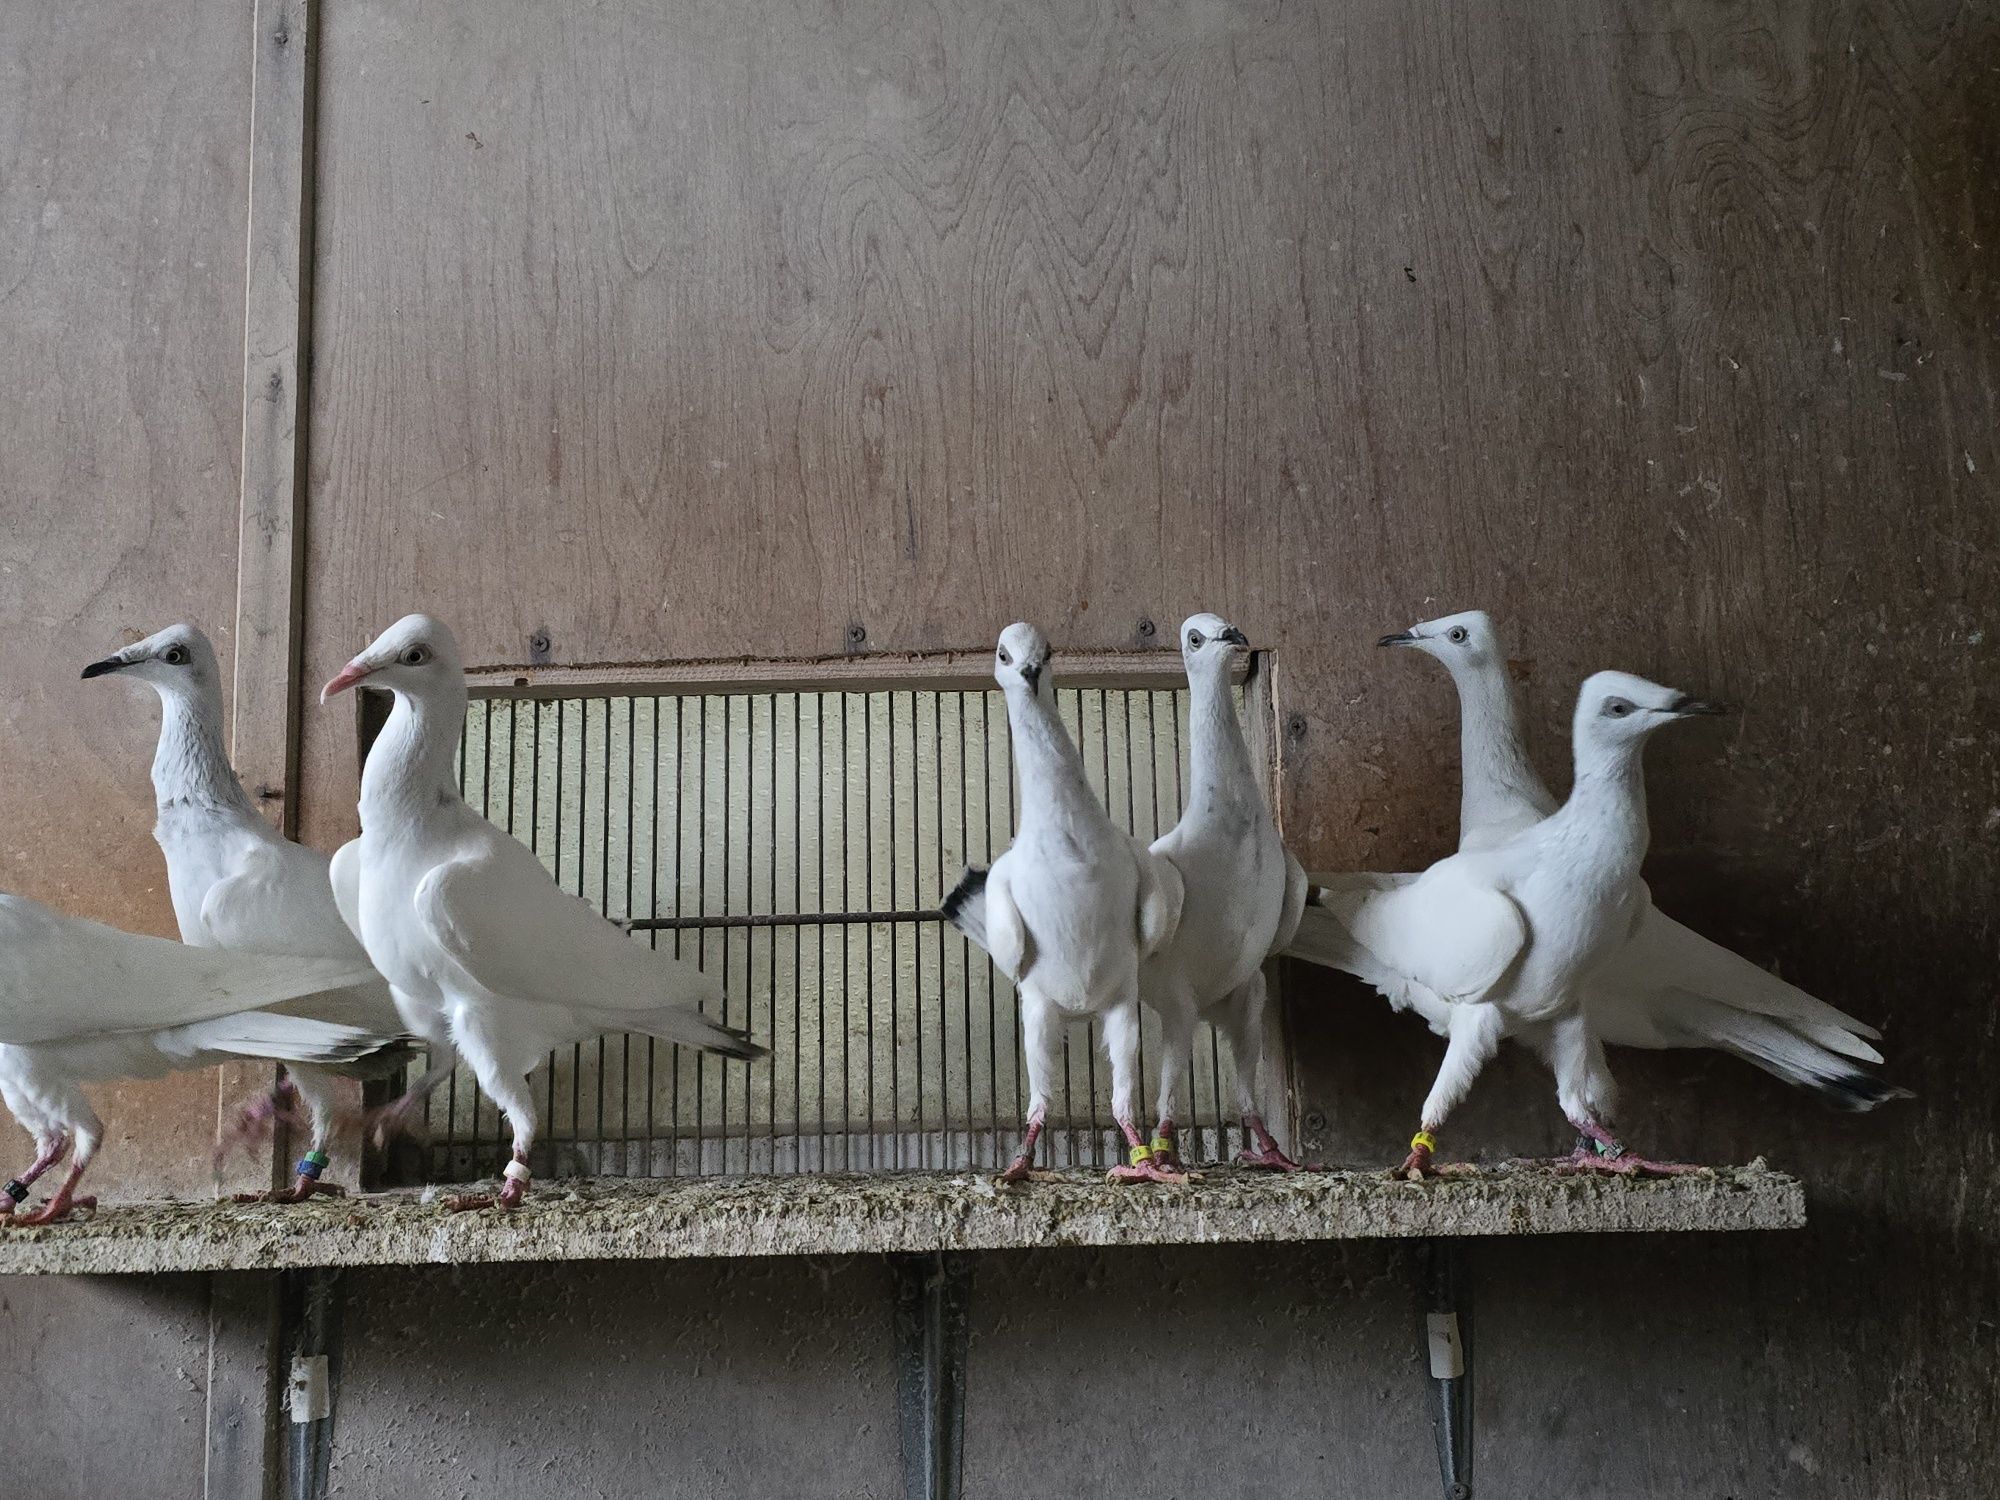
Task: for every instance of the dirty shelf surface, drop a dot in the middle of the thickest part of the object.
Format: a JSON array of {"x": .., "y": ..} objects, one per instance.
[{"x": 619, "y": 1219}]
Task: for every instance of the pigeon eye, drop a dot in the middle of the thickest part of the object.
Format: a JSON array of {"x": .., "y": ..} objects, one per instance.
[
  {"x": 1616, "y": 708},
  {"x": 175, "y": 656},
  {"x": 1457, "y": 635},
  {"x": 1005, "y": 659},
  {"x": 1195, "y": 640},
  {"x": 416, "y": 656}
]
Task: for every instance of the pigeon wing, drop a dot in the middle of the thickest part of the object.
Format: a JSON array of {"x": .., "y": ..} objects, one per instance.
[
  {"x": 1448, "y": 930},
  {"x": 64, "y": 977}
]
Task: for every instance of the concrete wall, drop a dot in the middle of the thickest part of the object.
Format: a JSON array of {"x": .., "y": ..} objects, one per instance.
[{"x": 1667, "y": 332}]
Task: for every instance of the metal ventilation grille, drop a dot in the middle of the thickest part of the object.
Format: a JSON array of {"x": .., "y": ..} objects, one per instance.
[{"x": 796, "y": 845}]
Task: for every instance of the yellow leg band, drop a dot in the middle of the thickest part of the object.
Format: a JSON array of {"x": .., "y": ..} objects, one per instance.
[
  {"x": 1139, "y": 1154},
  {"x": 1423, "y": 1140},
  {"x": 1162, "y": 1144}
]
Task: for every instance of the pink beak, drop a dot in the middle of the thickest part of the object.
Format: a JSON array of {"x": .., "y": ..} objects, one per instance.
[{"x": 350, "y": 674}]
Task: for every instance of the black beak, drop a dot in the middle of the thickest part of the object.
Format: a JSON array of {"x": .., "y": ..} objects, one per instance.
[
  {"x": 1400, "y": 638},
  {"x": 109, "y": 664},
  {"x": 1687, "y": 705},
  {"x": 1234, "y": 636},
  {"x": 1032, "y": 675}
]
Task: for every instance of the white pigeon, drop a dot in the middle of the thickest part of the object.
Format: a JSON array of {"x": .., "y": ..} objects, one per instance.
[
  {"x": 84, "y": 1003},
  {"x": 481, "y": 948},
  {"x": 1502, "y": 941},
  {"x": 1667, "y": 986},
  {"x": 1069, "y": 910},
  {"x": 1244, "y": 893},
  {"x": 237, "y": 883}
]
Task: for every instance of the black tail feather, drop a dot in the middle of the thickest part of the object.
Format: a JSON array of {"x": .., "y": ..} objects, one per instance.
[
  {"x": 1857, "y": 1091},
  {"x": 970, "y": 884}
]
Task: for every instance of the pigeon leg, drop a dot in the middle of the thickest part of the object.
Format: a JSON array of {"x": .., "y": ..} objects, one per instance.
[
  {"x": 260, "y": 1118},
  {"x": 1023, "y": 1163},
  {"x": 384, "y": 1124},
  {"x": 1177, "y": 1023},
  {"x": 317, "y": 1088},
  {"x": 1243, "y": 1023},
  {"x": 1268, "y": 1155},
  {"x": 1475, "y": 1037},
  {"x": 1121, "y": 1042},
  {"x": 513, "y": 1096},
  {"x": 52, "y": 1148},
  {"x": 65, "y": 1199},
  {"x": 1041, "y": 1044}
]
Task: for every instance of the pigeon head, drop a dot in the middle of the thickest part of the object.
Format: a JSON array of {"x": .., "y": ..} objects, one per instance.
[
  {"x": 1210, "y": 640},
  {"x": 1461, "y": 640},
  {"x": 412, "y": 655},
  {"x": 177, "y": 659},
  {"x": 1021, "y": 657},
  {"x": 1617, "y": 709}
]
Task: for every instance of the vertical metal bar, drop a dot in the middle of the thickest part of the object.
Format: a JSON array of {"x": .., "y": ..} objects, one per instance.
[
  {"x": 680, "y": 879},
  {"x": 964, "y": 944},
  {"x": 846, "y": 962},
  {"x": 1444, "y": 1316},
  {"x": 701, "y": 933},
  {"x": 1132, "y": 827},
  {"x": 728, "y": 819},
  {"x": 771, "y": 942},
  {"x": 1089, "y": 1040},
  {"x": 944, "y": 1070},
  {"x": 798, "y": 937},
  {"x": 653, "y": 910},
  {"x": 868, "y": 886},
  {"x": 819, "y": 890},
  {"x": 933, "y": 1293},
  {"x": 604, "y": 899},
  {"x": 1020, "y": 1104},
  {"x": 631, "y": 875},
  {"x": 895, "y": 957}
]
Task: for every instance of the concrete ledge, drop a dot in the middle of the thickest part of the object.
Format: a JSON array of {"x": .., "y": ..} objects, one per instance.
[{"x": 903, "y": 1211}]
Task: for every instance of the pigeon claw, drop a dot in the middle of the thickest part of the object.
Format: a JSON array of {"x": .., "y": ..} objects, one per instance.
[
  {"x": 1623, "y": 1164},
  {"x": 1271, "y": 1159},
  {"x": 1149, "y": 1170},
  {"x": 1415, "y": 1167},
  {"x": 54, "y": 1211},
  {"x": 302, "y": 1189}
]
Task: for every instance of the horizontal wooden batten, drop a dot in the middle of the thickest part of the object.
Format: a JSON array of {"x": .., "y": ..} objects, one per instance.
[{"x": 954, "y": 671}]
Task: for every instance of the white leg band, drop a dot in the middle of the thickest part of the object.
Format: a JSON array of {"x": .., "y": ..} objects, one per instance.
[{"x": 516, "y": 1171}]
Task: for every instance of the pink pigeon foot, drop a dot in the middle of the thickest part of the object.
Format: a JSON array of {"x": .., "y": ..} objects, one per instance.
[
  {"x": 57, "y": 1208},
  {"x": 302, "y": 1189},
  {"x": 1167, "y": 1147},
  {"x": 1600, "y": 1151},
  {"x": 1268, "y": 1156},
  {"x": 1023, "y": 1164},
  {"x": 512, "y": 1190},
  {"x": 399, "y": 1117},
  {"x": 259, "y": 1119},
  {"x": 1621, "y": 1163},
  {"x": 1146, "y": 1171}
]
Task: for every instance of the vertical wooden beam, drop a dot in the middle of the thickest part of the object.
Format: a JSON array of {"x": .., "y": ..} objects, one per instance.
[
  {"x": 242, "y": 1385},
  {"x": 277, "y": 320},
  {"x": 277, "y": 328}
]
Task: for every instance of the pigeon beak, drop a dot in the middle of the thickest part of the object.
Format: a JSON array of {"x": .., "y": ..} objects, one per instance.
[
  {"x": 109, "y": 664},
  {"x": 1234, "y": 636},
  {"x": 1687, "y": 705},
  {"x": 1400, "y": 638},
  {"x": 350, "y": 674}
]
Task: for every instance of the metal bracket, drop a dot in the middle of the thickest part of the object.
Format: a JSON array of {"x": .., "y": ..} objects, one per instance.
[
  {"x": 308, "y": 1329},
  {"x": 932, "y": 1292},
  {"x": 1444, "y": 1318}
]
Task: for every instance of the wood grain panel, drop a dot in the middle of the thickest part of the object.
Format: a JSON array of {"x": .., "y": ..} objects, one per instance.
[
  {"x": 122, "y": 130},
  {"x": 1666, "y": 331}
]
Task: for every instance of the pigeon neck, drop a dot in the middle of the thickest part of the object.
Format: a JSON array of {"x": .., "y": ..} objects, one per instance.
[
  {"x": 1218, "y": 755},
  {"x": 1608, "y": 798},
  {"x": 1494, "y": 772},
  {"x": 1053, "y": 785},
  {"x": 411, "y": 763},
  {"x": 191, "y": 764}
]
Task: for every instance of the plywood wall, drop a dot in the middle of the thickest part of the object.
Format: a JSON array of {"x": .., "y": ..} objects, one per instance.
[
  {"x": 694, "y": 329},
  {"x": 122, "y": 171}
]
